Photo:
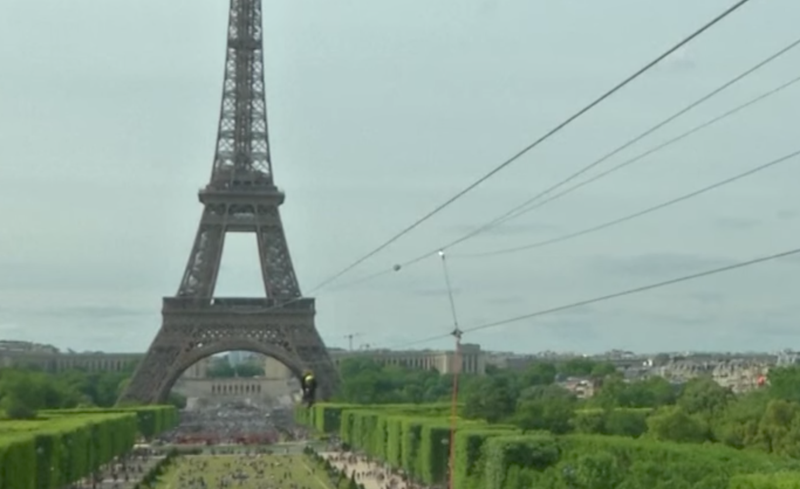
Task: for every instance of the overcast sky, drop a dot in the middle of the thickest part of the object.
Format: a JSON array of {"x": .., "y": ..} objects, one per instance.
[{"x": 379, "y": 111}]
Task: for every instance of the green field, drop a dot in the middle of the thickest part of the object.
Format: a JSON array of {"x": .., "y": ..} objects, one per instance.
[{"x": 256, "y": 472}]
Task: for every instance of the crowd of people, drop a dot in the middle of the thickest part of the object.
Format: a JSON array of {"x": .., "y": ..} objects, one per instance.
[
  {"x": 243, "y": 470},
  {"x": 123, "y": 472},
  {"x": 369, "y": 473},
  {"x": 230, "y": 423},
  {"x": 243, "y": 431}
]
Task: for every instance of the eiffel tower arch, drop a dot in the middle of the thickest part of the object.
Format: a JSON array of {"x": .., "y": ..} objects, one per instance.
[{"x": 241, "y": 196}]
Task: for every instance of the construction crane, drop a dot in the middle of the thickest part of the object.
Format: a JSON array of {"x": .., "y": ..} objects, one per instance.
[{"x": 350, "y": 339}]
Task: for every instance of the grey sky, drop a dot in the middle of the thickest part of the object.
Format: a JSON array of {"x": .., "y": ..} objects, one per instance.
[{"x": 378, "y": 112}]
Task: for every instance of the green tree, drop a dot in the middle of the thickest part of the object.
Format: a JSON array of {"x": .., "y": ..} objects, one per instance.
[
  {"x": 248, "y": 370},
  {"x": 539, "y": 373},
  {"x": 602, "y": 370},
  {"x": 738, "y": 424},
  {"x": 612, "y": 393},
  {"x": 675, "y": 424},
  {"x": 491, "y": 398},
  {"x": 177, "y": 400},
  {"x": 779, "y": 428},
  {"x": 16, "y": 408},
  {"x": 785, "y": 383},
  {"x": 597, "y": 471},
  {"x": 705, "y": 397},
  {"x": 577, "y": 367},
  {"x": 37, "y": 389},
  {"x": 591, "y": 421},
  {"x": 647, "y": 393},
  {"x": 625, "y": 422},
  {"x": 548, "y": 408},
  {"x": 365, "y": 381},
  {"x": 220, "y": 369},
  {"x": 651, "y": 392}
]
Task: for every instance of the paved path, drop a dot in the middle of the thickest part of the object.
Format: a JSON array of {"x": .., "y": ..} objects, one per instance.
[
  {"x": 138, "y": 469},
  {"x": 365, "y": 472},
  {"x": 371, "y": 475}
]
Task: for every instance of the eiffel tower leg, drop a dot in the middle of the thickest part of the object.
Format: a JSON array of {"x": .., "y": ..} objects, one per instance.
[
  {"x": 276, "y": 263},
  {"x": 148, "y": 381},
  {"x": 200, "y": 276}
]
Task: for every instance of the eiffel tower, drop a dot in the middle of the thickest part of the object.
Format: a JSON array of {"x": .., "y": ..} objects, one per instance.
[{"x": 241, "y": 197}]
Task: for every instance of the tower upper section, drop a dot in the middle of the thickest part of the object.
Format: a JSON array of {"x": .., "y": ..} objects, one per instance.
[{"x": 242, "y": 158}]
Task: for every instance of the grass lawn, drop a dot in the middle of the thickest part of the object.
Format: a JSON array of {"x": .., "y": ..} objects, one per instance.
[{"x": 255, "y": 472}]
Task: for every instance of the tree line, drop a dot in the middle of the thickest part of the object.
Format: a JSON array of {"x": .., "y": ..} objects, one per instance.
[
  {"x": 24, "y": 391},
  {"x": 698, "y": 411}
]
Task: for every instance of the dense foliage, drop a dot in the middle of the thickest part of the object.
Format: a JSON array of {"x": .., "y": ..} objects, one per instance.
[
  {"x": 23, "y": 392},
  {"x": 366, "y": 382},
  {"x": 699, "y": 411},
  {"x": 415, "y": 438},
  {"x": 61, "y": 447},
  {"x": 526, "y": 429},
  {"x": 151, "y": 420}
]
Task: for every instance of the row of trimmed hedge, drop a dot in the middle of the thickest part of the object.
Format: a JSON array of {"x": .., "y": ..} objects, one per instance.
[
  {"x": 412, "y": 437},
  {"x": 152, "y": 420},
  {"x": 64, "y": 450},
  {"x": 327, "y": 418},
  {"x": 416, "y": 439},
  {"x": 68, "y": 445}
]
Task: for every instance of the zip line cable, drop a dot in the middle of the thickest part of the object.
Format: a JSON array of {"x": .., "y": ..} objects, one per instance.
[
  {"x": 599, "y": 227},
  {"x": 449, "y": 293},
  {"x": 520, "y": 209},
  {"x": 640, "y": 156},
  {"x": 655, "y": 149},
  {"x": 456, "y": 334},
  {"x": 616, "y": 295},
  {"x": 635, "y": 215},
  {"x": 510, "y": 214},
  {"x": 531, "y": 146}
]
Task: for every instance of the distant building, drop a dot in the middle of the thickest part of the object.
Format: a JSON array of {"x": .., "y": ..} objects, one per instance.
[
  {"x": 49, "y": 358},
  {"x": 250, "y": 388},
  {"x": 25, "y": 346},
  {"x": 740, "y": 373},
  {"x": 443, "y": 361},
  {"x": 237, "y": 357},
  {"x": 275, "y": 370},
  {"x": 582, "y": 387},
  {"x": 199, "y": 370},
  {"x": 788, "y": 358}
]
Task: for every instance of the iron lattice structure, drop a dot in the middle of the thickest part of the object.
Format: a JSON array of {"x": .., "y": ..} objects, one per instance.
[{"x": 240, "y": 197}]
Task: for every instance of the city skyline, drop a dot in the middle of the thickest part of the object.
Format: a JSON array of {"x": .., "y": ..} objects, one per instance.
[{"x": 9, "y": 345}]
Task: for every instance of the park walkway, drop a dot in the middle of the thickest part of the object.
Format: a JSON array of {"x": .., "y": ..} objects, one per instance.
[
  {"x": 121, "y": 476},
  {"x": 372, "y": 475}
]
